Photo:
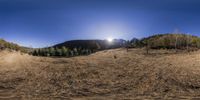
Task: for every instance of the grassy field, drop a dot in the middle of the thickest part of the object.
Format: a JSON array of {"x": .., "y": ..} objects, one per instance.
[{"x": 111, "y": 74}]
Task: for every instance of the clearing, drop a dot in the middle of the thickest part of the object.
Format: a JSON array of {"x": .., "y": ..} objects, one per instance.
[{"x": 110, "y": 74}]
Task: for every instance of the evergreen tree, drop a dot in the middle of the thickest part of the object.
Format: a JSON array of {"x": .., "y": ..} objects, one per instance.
[
  {"x": 89, "y": 51},
  {"x": 71, "y": 53},
  {"x": 46, "y": 52},
  {"x": 39, "y": 52},
  {"x": 75, "y": 52},
  {"x": 83, "y": 52},
  {"x": 35, "y": 52},
  {"x": 135, "y": 42},
  {"x": 52, "y": 51},
  {"x": 58, "y": 52},
  {"x": 42, "y": 52},
  {"x": 80, "y": 50},
  {"x": 64, "y": 51}
]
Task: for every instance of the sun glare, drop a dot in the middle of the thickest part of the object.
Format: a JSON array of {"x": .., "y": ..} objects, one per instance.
[{"x": 110, "y": 39}]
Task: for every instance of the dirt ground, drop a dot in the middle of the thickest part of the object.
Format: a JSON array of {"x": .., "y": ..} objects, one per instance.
[{"x": 106, "y": 75}]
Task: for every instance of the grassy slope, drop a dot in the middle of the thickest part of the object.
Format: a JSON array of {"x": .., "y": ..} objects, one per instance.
[
  {"x": 12, "y": 46},
  {"x": 101, "y": 75}
]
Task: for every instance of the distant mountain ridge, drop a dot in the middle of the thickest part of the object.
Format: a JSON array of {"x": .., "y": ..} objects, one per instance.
[
  {"x": 92, "y": 44},
  {"x": 157, "y": 41}
]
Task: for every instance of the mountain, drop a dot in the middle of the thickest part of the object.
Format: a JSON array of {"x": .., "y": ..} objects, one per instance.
[{"x": 92, "y": 44}]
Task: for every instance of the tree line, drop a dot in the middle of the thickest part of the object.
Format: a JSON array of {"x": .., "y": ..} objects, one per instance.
[
  {"x": 159, "y": 41},
  {"x": 60, "y": 52},
  {"x": 166, "y": 41}
]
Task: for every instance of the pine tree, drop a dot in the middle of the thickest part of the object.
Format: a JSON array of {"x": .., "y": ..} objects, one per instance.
[
  {"x": 35, "y": 52},
  {"x": 42, "y": 52},
  {"x": 83, "y": 52},
  {"x": 75, "y": 52},
  {"x": 39, "y": 52},
  {"x": 71, "y": 52},
  {"x": 58, "y": 52},
  {"x": 89, "y": 51},
  {"x": 46, "y": 52},
  {"x": 52, "y": 51},
  {"x": 64, "y": 51},
  {"x": 80, "y": 50}
]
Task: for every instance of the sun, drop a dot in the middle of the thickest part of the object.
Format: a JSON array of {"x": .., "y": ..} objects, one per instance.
[{"x": 110, "y": 39}]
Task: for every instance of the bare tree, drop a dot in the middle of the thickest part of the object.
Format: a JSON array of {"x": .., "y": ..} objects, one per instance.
[
  {"x": 127, "y": 45},
  {"x": 147, "y": 46},
  {"x": 188, "y": 40},
  {"x": 176, "y": 31},
  {"x": 176, "y": 42}
]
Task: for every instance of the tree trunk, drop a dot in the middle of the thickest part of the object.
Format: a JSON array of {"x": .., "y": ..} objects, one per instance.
[
  {"x": 176, "y": 43},
  {"x": 147, "y": 47}
]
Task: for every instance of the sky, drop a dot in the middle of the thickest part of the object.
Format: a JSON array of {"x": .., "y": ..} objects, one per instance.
[{"x": 40, "y": 23}]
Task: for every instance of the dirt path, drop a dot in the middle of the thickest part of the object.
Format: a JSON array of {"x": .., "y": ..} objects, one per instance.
[
  {"x": 13, "y": 61},
  {"x": 10, "y": 63}
]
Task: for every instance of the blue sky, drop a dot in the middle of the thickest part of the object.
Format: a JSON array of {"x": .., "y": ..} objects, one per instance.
[{"x": 40, "y": 23}]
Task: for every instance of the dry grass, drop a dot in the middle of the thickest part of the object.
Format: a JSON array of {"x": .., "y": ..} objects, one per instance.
[{"x": 111, "y": 74}]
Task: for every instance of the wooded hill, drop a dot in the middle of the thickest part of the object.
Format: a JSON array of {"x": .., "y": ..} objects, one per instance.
[
  {"x": 85, "y": 47},
  {"x": 92, "y": 44},
  {"x": 78, "y": 47},
  {"x": 168, "y": 41}
]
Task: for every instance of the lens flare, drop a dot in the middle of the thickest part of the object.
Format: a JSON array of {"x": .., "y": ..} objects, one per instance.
[{"x": 110, "y": 39}]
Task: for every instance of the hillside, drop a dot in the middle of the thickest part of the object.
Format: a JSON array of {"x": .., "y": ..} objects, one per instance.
[
  {"x": 11, "y": 46},
  {"x": 78, "y": 48},
  {"x": 110, "y": 74},
  {"x": 92, "y": 44},
  {"x": 86, "y": 47},
  {"x": 171, "y": 41}
]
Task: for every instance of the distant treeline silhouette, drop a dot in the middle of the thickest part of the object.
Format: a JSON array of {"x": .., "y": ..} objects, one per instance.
[{"x": 64, "y": 52}]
